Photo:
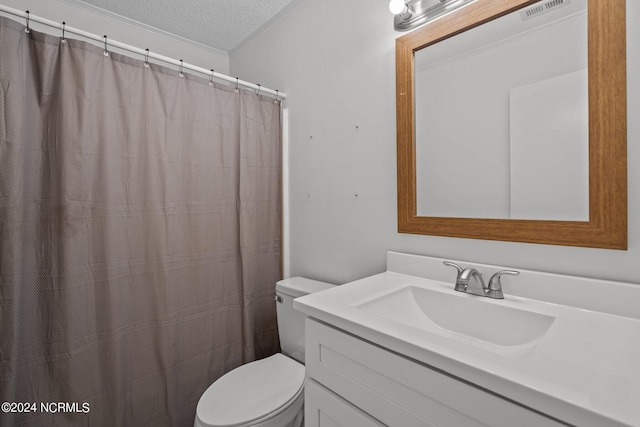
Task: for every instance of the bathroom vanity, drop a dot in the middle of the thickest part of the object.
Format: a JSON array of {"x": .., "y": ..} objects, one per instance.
[{"x": 402, "y": 348}]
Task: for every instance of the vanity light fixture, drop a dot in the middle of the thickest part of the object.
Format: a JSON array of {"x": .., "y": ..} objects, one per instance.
[
  {"x": 399, "y": 7},
  {"x": 412, "y": 13}
]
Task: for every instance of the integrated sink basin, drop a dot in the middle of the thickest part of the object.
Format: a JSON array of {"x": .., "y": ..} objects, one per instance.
[{"x": 462, "y": 314}]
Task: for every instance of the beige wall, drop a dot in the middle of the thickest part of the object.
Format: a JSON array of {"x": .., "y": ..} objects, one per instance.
[{"x": 336, "y": 61}]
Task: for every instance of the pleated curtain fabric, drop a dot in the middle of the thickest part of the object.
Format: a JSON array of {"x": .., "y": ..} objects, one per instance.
[{"x": 140, "y": 221}]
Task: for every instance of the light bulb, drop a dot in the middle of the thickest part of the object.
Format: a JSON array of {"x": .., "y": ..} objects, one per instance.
[{"x": 397, "y": 6}]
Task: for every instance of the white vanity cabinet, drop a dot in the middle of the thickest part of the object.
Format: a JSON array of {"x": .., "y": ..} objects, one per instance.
[
  {"x": 352, "y": 383},
  {"x": 403, "y": 348}
]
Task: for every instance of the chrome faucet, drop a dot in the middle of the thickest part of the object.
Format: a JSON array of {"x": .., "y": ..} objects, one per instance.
[{"x": 470, "y": 281}]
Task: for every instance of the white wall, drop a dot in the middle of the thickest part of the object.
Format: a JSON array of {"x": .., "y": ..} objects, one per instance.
[
  {"x": 99, "y": 23},
  {"x": 336, "y": 61}
]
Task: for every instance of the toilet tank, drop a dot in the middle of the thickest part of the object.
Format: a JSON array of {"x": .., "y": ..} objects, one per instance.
[{"x": 290, "y": 320}]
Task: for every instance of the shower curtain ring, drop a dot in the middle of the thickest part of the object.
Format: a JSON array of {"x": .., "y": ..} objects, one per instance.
[
  {"x": 211, "y": 78},
  {"x": 146, "y": 58},
  {"x": 106, "y": 50},
  {"x": 63, "y": 40},
  {"x": 28, "y": 29},
  {"x": 258, "y": 91},
  {"x": 277, "y": 100},
  {"x": 237, "y": 90},
  {"x": 180, "y": 73}
]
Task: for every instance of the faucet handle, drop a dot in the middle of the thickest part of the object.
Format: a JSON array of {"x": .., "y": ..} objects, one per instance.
[
  {"x": 459, "y": 286},
  {"x": 453, "y": 264},
  {"x": 495, "y": 284}
]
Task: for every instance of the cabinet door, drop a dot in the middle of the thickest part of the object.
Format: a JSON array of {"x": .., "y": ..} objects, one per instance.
[
  {"x": 400, "y": 392},
  {"x": 325, "y": 409}
]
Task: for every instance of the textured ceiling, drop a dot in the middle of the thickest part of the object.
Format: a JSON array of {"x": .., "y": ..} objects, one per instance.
[{"x": 221, "y": 24}]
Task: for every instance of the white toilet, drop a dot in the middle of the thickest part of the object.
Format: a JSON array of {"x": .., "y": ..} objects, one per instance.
[{"x": 267, "y": 392}]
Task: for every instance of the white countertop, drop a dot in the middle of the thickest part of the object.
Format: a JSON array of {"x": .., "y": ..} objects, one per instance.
[{"x": 585, "y": 370}]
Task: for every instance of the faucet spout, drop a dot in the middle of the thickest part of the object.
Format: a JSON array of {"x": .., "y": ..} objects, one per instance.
[{"x": 468, "y": 278}]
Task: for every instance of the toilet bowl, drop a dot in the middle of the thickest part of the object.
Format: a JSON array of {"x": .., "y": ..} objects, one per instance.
[{"x": 267, "y": 392}]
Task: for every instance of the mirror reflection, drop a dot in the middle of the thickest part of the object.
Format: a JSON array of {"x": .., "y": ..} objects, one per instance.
[{"x": 502, "y": 120}]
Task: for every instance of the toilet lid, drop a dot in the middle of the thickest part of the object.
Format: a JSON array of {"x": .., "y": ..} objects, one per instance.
[{"x": 251, "y": 391}]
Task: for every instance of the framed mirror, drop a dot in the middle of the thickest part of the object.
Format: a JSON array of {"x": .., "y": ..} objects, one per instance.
[{"x": 511, "y": 123}]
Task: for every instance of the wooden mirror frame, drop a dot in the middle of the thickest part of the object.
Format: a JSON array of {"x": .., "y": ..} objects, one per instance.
[{"x": 607, "y": 225}]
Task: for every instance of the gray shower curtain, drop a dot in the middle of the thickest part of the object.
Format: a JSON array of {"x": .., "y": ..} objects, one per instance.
[{"x": 139, "y": 234}]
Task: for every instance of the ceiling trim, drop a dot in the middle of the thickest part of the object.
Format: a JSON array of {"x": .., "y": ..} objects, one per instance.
[{"x": 149, "y": 28}]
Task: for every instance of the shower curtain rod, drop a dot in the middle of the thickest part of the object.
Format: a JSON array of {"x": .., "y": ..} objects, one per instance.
[{"x": 143, "y": 52}]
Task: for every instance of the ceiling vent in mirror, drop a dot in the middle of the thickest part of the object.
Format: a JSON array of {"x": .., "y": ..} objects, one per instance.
[{"x": 542, "y": 8}]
